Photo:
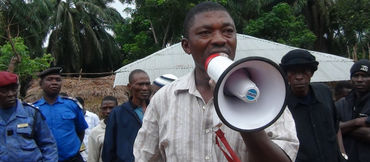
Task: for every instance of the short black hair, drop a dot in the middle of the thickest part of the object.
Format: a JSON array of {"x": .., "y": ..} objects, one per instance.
[
  {"x": 110, "y": 98},
  {"x": 200, "y": 8},
  {"x": 63, "y": 94},
  {"x": 80, "y": 100},
  {"x": 132, "y": 73},
  {"x": 338, "y": 90}
]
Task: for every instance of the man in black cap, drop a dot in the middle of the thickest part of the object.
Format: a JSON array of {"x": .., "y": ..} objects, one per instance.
[
  {"x": 312, "y": 108},
  {"x": 64, "y": 116},
  {"x": 353, "y": 114}
]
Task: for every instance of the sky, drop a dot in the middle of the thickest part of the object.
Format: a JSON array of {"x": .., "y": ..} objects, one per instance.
[{"x": 120, "y": 7}]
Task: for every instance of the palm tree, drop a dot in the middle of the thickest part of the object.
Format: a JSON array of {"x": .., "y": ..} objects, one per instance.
[
  {"x": 79, "y": 38},
  {"x": 27, "y": 19}
]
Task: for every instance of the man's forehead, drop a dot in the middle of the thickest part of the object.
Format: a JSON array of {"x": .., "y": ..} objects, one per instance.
[
  {"x": 140, "y": 77},
  {"x": 53, "y": 76},
  {"x": 200, "y": 18},
  {"x": 108, "y": 103}
]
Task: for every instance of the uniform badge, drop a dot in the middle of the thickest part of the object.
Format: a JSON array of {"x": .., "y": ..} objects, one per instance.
[{"x": 23, "y": 125}]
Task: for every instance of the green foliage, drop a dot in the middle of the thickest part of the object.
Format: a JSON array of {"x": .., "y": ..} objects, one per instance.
[
  {"x": 282, "y": 26},
  {"x": 26, "y": 19},
  {"x": 351, "y": 23},
  {"x": 27, "y": 66},
  {"x": 136, "y": 42}
]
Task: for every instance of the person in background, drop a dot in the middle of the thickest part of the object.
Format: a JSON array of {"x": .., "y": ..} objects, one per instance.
[
  {"x": 92, "y": 121},
  {"x": 161, "y": 81},
  {"x": 64, "y": 116},
  {"x": 342, "y": 89},
  {"x": 179, "y": 122},
  {"x": 96, "y": 137},
  {"x": 354, "y": 114},
  {"x": 25, "y": 135},
  {"x": 125, "y": 120},
  {"x": 313, "y": 109}
]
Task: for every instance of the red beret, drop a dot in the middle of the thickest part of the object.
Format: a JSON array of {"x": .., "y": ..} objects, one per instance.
[{"x": 7, "y": 78}]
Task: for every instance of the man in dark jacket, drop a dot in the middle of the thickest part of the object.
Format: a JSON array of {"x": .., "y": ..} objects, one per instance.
[
  {"x": 125, "y": 120},
  {"x": 353, "y": 113},
  {"x": 312, "y": 108}
]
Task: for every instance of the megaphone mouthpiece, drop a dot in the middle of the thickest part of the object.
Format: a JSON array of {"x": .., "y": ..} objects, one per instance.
[{"x": 240, "y": 85}]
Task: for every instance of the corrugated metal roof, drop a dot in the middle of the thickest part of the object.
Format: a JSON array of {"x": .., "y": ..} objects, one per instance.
[{"x": 173, "y": 60}]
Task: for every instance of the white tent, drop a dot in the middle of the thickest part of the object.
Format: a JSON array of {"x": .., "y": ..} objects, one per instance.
[{"x": 173, "y": 60}]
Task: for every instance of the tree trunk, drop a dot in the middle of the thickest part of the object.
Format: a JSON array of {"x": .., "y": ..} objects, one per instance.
[
  {"x": 166, "y": 33},
  {"x": 16, "y": 58},
  {"x": 153, "y": 31},
  {"x": 368, "y": 50},
  {"x": 355, "y": 58}
]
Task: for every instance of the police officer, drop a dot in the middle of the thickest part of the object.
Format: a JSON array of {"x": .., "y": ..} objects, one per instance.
[
  {"x": 63, "y": 115},
  {"x": 24, "y": 134}
]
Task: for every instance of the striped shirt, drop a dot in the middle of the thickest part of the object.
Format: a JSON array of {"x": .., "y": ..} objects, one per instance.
[{"x": 177, "y": 126}]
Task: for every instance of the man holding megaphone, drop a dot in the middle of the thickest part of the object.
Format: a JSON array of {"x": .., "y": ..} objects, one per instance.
[{"x": 180, "y": 121}]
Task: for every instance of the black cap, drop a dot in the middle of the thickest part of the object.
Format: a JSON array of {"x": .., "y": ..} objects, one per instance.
[
  {"x": 298, "y": 57},
  {"x": 52, "y": 70},
  {"x": 361, "y": 65}
]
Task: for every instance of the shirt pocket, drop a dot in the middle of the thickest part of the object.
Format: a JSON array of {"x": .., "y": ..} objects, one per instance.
[
  {"x": 68, "y": 116},
  {"x": 25, "y": 139},
  {"x": 66, "y": 121}
]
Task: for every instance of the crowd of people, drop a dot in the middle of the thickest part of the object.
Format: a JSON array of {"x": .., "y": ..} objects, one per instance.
[{"x": 172, "y": 119}]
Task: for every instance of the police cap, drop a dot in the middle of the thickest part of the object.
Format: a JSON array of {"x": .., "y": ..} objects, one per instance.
[{"x": 52, "y": 70}]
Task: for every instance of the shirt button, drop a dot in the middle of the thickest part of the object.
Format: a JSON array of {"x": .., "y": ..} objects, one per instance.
[
  {"x": 204, "y": 107},
  {"x": 208, "y": 130},
  {"x": 269, "y": 134},
  {"x": 207, "y": 157}
]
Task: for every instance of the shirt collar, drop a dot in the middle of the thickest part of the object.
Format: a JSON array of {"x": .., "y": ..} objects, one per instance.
[
  {"x": 307, "y": 100},
  {"x": 20, "y": 110},
  {"x": 58, "y": 100},
  {"x": 187, "y": 83},
  {"x": 136, "y": 106}
]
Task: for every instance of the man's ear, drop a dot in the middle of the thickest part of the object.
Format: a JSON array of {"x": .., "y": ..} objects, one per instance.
[
  {"x": 40, "y": 82},
  {"x": 129, "y": 86},
  {"x": 185, "y": 45}
]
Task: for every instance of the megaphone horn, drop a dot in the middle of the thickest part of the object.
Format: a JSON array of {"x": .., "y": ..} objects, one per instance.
[{"x": 250, "y": 94}]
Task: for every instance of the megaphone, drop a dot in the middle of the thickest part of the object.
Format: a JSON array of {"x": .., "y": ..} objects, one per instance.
[{"x": 250, "y": 93}]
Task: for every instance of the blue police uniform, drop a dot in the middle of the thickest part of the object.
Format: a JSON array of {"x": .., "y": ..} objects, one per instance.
[
  {"x": 25, "y": 136},
  {"x": 65, "y": 118}
]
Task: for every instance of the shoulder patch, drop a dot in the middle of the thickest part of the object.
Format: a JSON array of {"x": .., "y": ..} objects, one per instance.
[
  {"x": 30, "y": 105},
  {"x": 34, "y": 107},
  {"x": 74, "y": 100}
]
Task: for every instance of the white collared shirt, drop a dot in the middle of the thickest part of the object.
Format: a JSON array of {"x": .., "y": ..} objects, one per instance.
[{"x": 177, "y": 126}]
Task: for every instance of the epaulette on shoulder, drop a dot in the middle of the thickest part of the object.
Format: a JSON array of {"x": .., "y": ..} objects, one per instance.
[
  {"x": 74, "y": 100},
  {"x": 30, "y": 105},
  {"x": 34, "y": 107}
]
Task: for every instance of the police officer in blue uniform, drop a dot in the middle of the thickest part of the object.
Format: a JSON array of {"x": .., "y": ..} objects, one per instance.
[
  {"x": 24, "y": 134},
  {"x": 64, "y": 116}
]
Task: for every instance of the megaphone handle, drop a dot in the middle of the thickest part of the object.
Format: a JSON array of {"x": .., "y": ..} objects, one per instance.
[{"x": 233, "y": 157}]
